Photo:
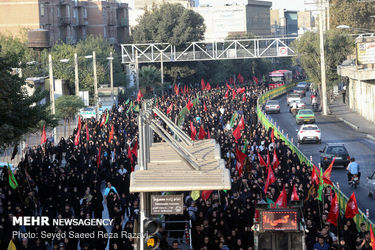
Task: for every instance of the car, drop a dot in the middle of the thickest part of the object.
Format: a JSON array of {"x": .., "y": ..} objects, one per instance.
[
  {"x": 332, "y": 150},
  {"x": 292, "y": 97},
  {"x": 272, "y": 106},
  {"x": 305, "y": 116},
  {"x": 371, "y": 185},
  {"x": 299, "y": 104},
  {"x": 304, "y": 85},
  {"x": 309, "y": 133},
  {"x": 300, "y": 90}
]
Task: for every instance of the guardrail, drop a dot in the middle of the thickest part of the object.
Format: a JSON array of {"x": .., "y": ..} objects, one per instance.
[{"x": 342, "y": 198}]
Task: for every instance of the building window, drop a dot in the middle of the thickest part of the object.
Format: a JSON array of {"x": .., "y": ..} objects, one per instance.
[
  {"x": 105, "y": 32},
  {"x": 42, "y": 9},
  {"x": 84, "y": 12}
]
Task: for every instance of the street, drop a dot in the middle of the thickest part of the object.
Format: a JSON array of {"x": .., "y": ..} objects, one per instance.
[{"x": 334, "y": 130}]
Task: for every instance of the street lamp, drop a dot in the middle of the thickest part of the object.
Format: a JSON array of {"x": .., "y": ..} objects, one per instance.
[
  {"x": 93, "y": 56},
  {"x": 110, "y": 58}
]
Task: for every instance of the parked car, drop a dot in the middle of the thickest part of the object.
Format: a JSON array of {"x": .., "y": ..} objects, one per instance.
[
  {"x": 309, "y": 133},
  {"x": 300, "y": 90},
  {"x": 272, "y": 106},
  {"x": 305, "y": 116},
  {"x": 371, "y": 185},
  {"x": 291, "y": 97},
  {"x": 332, "y": 150}
]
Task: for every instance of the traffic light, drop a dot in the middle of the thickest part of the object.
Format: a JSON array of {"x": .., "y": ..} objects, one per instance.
[{"x": 151, "y": 229}]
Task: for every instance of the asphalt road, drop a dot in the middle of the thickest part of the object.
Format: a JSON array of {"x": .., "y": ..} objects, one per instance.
[{"x": 334, "y": 130}]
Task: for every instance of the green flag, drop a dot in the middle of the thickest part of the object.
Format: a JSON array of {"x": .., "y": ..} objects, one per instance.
[
  {"x": 136, "y": 108},
  {"x": 233, "y": 119},
  {"x": 320, "y": 189},
  {"x": 130, "y": 107},
  {"x": 106, "y": 119},
  {"x": 127, "y": 101},
  {"x": 225, "y": 191},
  {"x": 245, "y": 146},
  {"x": 12, "y": 180},
  {"x": 264, "y": 79},
  {"x": 271, "y": 203}
]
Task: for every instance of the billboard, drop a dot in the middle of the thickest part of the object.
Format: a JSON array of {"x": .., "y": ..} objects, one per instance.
[{"x": 365, "y": 52}]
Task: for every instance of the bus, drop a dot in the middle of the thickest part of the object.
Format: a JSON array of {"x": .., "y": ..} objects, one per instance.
[{"x": 281, "y": 76}]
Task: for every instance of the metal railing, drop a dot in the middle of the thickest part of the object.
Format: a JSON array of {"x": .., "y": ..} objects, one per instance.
[
  {"x": 343, "y": 199},
  {"x": 187, "y": 227}
]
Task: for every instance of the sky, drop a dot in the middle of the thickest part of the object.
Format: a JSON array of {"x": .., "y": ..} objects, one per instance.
[{"x": 289, "y": 4}]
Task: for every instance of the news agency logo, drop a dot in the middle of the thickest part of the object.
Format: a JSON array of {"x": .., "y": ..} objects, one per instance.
[{"x": 46, "y": 221}]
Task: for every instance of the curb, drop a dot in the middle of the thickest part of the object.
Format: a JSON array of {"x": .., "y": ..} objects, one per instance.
[
  {"x": 370, "y": 137},
  {"x": 349, "y": 123}
]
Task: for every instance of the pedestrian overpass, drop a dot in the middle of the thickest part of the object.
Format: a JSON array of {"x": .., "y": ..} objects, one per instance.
[{"x": 204, "y": 51}]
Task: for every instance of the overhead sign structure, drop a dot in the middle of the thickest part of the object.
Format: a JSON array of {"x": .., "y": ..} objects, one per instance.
[
  {"x": 279, "y": 220},
  {"x": 283, "y": 51},
  {"x": 365, "y": 52},
  {"x": 167, "y": 204}
]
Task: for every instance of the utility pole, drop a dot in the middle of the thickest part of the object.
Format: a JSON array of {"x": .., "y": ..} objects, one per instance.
[
  {"x": 95, "y": 85},
  {"x": 137, "y": 69},
  {"x": 52, "y": 93},
  {"x": 76, "y": 80},
  {"x": 322, "y": 60},
  {"x": 111, "y": 77},
  {"x": 162, "y": 72}
]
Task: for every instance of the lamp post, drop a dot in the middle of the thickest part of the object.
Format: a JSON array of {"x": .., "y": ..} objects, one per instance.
[
  {"x": 322, "y": 60},
  {"x": 52, "y": 93},
  {"x": 93, "y": 56},
  {"x": 110, "y": 58}
]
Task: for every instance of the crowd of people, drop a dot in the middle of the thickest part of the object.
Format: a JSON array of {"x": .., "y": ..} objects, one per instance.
[{"x": 86, "y": 180}]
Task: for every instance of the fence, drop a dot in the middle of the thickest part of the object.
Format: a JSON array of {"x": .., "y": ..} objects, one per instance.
[{"x": 342, "y": 198}]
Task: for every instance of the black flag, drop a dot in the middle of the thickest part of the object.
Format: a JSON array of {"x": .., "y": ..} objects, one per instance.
[{"x": 15, "y": 151}]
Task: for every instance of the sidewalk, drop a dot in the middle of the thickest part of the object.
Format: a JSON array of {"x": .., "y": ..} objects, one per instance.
[{"x": 351, "y": 118}]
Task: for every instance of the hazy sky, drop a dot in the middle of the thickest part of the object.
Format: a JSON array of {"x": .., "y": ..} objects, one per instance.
[{"x": 289, "y": 4}]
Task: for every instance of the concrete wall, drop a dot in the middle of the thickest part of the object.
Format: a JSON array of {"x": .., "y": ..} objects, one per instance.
[{"x": 362, "y": 98}]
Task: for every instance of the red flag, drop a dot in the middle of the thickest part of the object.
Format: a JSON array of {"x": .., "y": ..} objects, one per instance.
[
  {"x": 327, "y": 173},
  {"x": 333, "y": 211},
  {"x": 226, "y": 94},
  {"x": 111, "y": 134},
  {"x": 208, "y": 86},
  {"x": 282, "y": 199},
  {"x": 240, "y": 90},
  {"x": 270, "y": 179},
  {"x": 241, "y": 124},
  {"x": 76, "y": 139},
  {"x": 176, "y": 89},
  {"x": 130, "y": 155},
  {"x": 228, "y": 86},
  {"x": 193, "y": 131},
  {"x": 204, "y": 107},
  {"x": 202, "y": 84},
  {"x": 276, "y": 162},
  {"x": 372, "y": 238},
  {"x": 169, "y": 109},
  {"x": 261, "y": 160},
  {"x": 79, "y": 123},
  {"x": 240, "y": 157},
  {"x": 202, "y": 134},
  {"x": 315, "y": 175},
  {"x": 206, "y": 194},
  {"x": 103, "y": 120},
  {"x": 98, "y": 157},
  {"x": 295, "y": 196},
  {"x": 135, "y": 149},
  {"x": 237, "y": 133},
  {"x": 189, "y": 105},
  {"x": 240, "y": 78},
  {"x": 208, "y": 134},
  {"x": 87, "y": 133},
  {"x": 273, "y": 135},
  {"x": 233, "y": 94},
  {"x": 139, "y": 96},
  {"x": 351, "y": 207},
  {"x": 187, "y": 90},
  {"x": 244, "y": 98},
  {"x": 268, "y": 158},
  {"x": 255, "y": 79},
  {"x": 44, "y": 135},
  {"x": 231, "y": 80}
]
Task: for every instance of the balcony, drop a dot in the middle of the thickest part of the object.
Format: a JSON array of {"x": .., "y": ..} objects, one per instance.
[
  {"x": 112, "y": 40},
  {"x": 111, "y": 21},
  {"x": 124, "y": 22},
  {"x": 65, "y": 21},
  {"x": 65, "y": 2},
  {"x": 83, "y": 21}
]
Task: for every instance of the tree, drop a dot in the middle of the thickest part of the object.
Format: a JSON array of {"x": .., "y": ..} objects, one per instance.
[
  {"x": 67, "y": 107},
  {"x": 171, "y": 23},
  {"x": 149, "y": 79},
  {"x": 337, "y": 46},
  {"x": 353, "y": 13},
  {"x": 20, "y": 112}
]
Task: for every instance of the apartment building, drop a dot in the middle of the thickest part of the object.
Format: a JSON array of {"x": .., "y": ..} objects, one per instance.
[{"x": 67, "y": 20}]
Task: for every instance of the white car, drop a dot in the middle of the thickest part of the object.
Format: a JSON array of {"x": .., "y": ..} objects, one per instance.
[
  {"x": 309, "y": 133},
  {"x": 272, "y": 106}
]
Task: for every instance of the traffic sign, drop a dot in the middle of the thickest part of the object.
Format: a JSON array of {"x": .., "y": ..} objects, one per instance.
[
  {"x": 167, "y": 204},
  {"x": 283, "y": 51}
]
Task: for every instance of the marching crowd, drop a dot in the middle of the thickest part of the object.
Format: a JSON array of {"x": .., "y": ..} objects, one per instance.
[{"x": 89, "y": 171}]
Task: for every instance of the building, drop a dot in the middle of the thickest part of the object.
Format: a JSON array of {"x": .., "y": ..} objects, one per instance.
[
  {"x": 284, "y": 22},
  {"x": 360, "y": 79},
  {"x": 67, "y": 20},
  {"x": 306, "y": 22},
  {"x": 222, "y": 20}
]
